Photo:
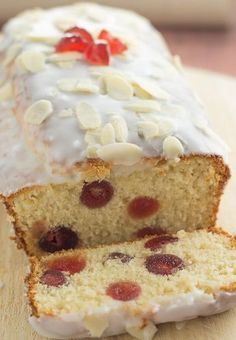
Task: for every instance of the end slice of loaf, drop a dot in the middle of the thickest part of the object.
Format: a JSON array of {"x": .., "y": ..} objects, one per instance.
[{"x": 130, "y": 287}]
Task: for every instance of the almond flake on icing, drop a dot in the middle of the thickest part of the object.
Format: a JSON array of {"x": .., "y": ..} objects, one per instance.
[
  {"x": 6, "y": 92},
  {"x": 63, "y": 23},
  {"x": 91, "y": 151},
  {"x": 86, "y": 86},
  {"x": 95, "y": 324},
  {"x": 118, "y": 87},
  {"x": 32, "y": 61},
  {"x": 67, "y": 84},
  {"x": 165, "y": 127},
  {"x": 143, "y": 106},
  {"x": 45, "y": 39},
  {"x": 142, "y": 332},
  {"x": 38, "y": 112},
  {"x": 97, "y": 72},
  {"x": 11, "y": 54},
  {"x": 87, "y": 116},
  {"x": 91, "y": 137},
  {"x": 107, "y": 134},
  {"x": 148, "y": 129},
  {"x": 75, "y": 85},
  {"x": 120, "y": 153},
  {"x": 67, "y": 56},
  {"x": 120, "y": 128},
  {"x": 66, "y": 113},
  {"x": 66, "y": 64},
  {"x": 172, "y": 147},
  {"x": 146, "y": 89}
]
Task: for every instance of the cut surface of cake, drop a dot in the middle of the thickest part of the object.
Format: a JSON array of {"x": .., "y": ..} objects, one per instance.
[
  {"x": 116, "y": 140},
  {"x": 130, "y": 287}
]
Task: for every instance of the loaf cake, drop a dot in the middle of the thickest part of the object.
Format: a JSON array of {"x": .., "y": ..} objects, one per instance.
[
  {"x": 129, "y": 287},
  {"x": 116, "y": 139}
]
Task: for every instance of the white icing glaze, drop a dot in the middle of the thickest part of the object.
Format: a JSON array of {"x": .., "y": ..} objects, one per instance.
[
  {"x": 180, "y": 308},
  {"x": 60, "y": 142}
]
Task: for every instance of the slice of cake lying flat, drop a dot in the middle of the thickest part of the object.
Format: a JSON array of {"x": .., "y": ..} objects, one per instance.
[
  {"x": 130, "y": 287},
  {"x": 105, "y": 114}
]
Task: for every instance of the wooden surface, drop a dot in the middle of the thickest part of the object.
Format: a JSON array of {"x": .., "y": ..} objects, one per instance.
[{"x": 219, "y": 94}]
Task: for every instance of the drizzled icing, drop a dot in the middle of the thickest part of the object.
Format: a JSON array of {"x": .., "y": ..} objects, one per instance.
[{"x": 60, "y": 141}]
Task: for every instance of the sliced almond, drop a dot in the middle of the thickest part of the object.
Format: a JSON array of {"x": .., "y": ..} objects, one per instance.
[
  {"x": 66, "y": 113},
  {"x": 64, "y": 23},
  {"x": 67, "y": 56},
  {"x": 11, "y": 54},
  {"x": 120, "y": 128},
  {"x": 67, "y": 84},
  {"x": 87, "y": 116},
  {"x": 91, "y": 137},
  {"x": 38, "y": 112},
  {"x": 32, "y": 61},
  {"x": 147, "y": 89},
  {"x": 172, "y": 147},
  {"x": 118, "y": 87},
  {"x": 143, "y": 333},
  {"x": 95, "y": 324},
  {"x": 97, "y": 72},
  {"x": 148, "y": 129},
  {"x": 6, "y": 92},
  {"x": 143, "y": 106},
  {"x": 91, "y": 151},
  {"x": 108, "y": 134},
  {"x": 45, "y": 39},
  {"x": 86, "y": 86},
  {"x": 120, "y": 153},
  {"x": 165, "y": 127},
  {"x": 66, "y": 64}
]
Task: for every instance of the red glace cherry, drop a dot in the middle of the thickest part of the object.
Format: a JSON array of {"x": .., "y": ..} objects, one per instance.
[
  {"x": 149, "y": 231},
  {"x": 80, "y": 32},
  {"x": 115, "y": 45},
  {"x": 124, "y": 290},
  {"x": 53, "y": 278},
  {"x": 97, "y": 54},
  {"x": 157, "y": 242},
  {"x": 96, "y": 194},
  {"x": 142, "y": 207},
  {"x": 71, "y": 44},
  {"x": 163, "y": 264},
  {"x": 70, "y": 264}
]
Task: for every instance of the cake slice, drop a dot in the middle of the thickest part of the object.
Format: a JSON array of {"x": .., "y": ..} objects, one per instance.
[
  {"x": 122, "y": 140},
  {"x": 130, "y": 287}
]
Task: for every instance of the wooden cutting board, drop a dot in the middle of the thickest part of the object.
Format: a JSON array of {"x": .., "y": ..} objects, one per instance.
[{"x": 219, "y": 95}]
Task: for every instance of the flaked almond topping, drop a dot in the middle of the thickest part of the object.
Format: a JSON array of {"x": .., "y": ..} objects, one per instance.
[
  {"x": 66, "y": 113},
  {"x": 143, "y": 106},
  {"x": 108, "y": 134},
  {"x": 64, "y": 23},
  {"x": 91, "y": 151},
  {"x": 87, "y": 116},
  {"x": 6, "y": 92},
  {"x": 61, "y": 57},
  {"x": 75, "y": 85},
  {"x": 97, "y": 72},
  {"x": 38, "y": 112},
  {"x": 92, "y": 136},
  {"x": 66, "y": 64},
  {"x": 120, "y": 128},
  {"x": 148, "y": 129},
  {"x": 142, "y": 332},
  {"x": 120, "y": 153},
  {"x": 118, "y": 87},
  {"x": 95, "y": 324},
  {"x": 11, "y": 54},
  {"x": 165, "y": 127},
  {"x": 33, "y": 61},
  {"x": 172, "y": 147},
  {"x": 45, "y": 39},
  {"x": 146, "y": 89}
]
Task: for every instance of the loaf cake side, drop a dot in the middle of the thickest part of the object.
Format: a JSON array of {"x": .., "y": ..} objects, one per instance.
[
  {"x": 118, "y": 146},
  {"x": 131, "y": 286}
]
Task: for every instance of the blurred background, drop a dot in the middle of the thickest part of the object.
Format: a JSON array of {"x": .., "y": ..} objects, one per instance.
[{"x": 202, "y": 32}]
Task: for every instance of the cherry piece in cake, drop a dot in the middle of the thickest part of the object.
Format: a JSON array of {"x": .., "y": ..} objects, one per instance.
[
  {"x": 58, "y": 238},
  {"x": 96, "y": 194},
  {"x": 97, "y": 54},
  {"x": 53, "y": 278},
  {"x": 142, "y": 207},
  {"x": 163, "y": 264},
  {"x": 124, "y": 258},
  {"x": 80, "y": 32},
  {"x": 70, "y": 264},
  {"x": 116, "y": 46},
  {"x": 149, "y": 231},
  {"x": 71, "y": 44},
  {"x": 157, "y": 242},
  {"x": 123, "y": 291}
]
